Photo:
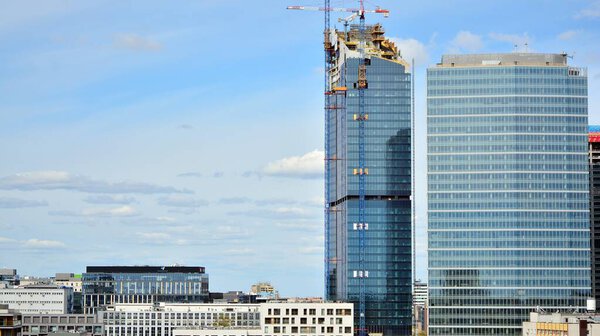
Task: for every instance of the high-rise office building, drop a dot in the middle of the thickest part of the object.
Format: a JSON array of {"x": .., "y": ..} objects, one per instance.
[
  {"x": 594, "y": 161},
  {"x": 508, "y": 191},
  {"x": 387, "y": 227},
  {"x": 105, "y": 285}
]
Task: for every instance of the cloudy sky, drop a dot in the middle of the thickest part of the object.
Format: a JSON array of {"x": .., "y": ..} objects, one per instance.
[{"x": 190, "y": 131}]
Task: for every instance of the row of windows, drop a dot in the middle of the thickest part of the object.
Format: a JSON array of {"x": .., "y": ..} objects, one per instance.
[
  {"x": 510, "y": 81},
  {"x": 483, "y": 138},
  {"x": 450, "y": 148},
  {"x": 507, "y": 110},
  {"x": 548, "y": 167},
  {"x": 511, "y": 100},
  {"x": 496, "y": 71},
  {"x": 488, "y": 91}
]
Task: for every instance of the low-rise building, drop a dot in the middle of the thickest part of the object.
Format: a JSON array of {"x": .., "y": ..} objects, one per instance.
[
  {"x": 8, "y": 277},
  {"x": 305, "y": 318},
  {"x": 161, "y": 319},
  {"x": 10, "y": 321},
  {"x": 53, "y": 324},
  {"x": 38, "y": 299},
  {"x": 559, "y": 324}
]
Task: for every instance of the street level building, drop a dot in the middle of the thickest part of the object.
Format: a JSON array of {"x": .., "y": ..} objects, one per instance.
[
  {"x": 38, "y": 299},
  {"x": 386, "y": 272},
  {"x": 53, "y": 324},
  {"x": 508, "y": 191},
  {"x": 106, "y": 285},
  {"x": 594, "y": 162},
  {"x": 10, "y": 321}
]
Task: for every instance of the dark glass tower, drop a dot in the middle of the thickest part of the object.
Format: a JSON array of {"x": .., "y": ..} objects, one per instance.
[
  {"x": 387, "y": 273},
  {"x": 508, "y": 191}
]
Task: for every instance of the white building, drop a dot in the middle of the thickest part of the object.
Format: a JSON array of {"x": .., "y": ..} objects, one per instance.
[
  {"x": 68, "y": 280},
  {"x": 264, "y": 319},
  {"x": 419, "y": 293},
  {"x": 38, "y": 299},
  {"x": 160, "y": 319}
]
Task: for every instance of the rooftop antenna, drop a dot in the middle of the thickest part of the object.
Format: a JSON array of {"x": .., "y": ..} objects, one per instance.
[
  {"x": 515, "y": 48},
  {"x": 526, "y": 47}
]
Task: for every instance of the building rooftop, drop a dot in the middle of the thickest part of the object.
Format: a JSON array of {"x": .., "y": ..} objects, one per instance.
[
  {"x": 507, "y": 59},
  {"x": 145, "y": 269}
]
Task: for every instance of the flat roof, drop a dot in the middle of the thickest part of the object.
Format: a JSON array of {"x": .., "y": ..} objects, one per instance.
[
  {"x": 503, "y": 59},
  {"x": 145, "y": 269}
]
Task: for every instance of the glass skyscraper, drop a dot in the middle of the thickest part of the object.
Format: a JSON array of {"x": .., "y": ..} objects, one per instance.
[
  {"x": 508, "y": 191},
  {"x": 387, "y": 273}
]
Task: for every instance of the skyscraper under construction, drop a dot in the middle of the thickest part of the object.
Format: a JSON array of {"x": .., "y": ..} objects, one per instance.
[{"x": 381, "y": 274}]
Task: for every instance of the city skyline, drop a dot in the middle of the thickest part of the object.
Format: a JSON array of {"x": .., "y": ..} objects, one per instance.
[{"x": 140, "y": 152}]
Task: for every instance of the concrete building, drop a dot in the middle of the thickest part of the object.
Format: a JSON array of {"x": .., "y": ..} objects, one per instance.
[
  {"x": 38, "y": 299},
  {"x": 53, "y": 324},
  {"x": 161, "y": 319},
  {"x": 508, "y": 191},
  {"x": 218, "y": 332},
  {"x": 594, "y": 164},
  {"x": 557, "y": 324},
  {"x": 10, "y": 321},
  {"x": 385, "y": 218},
  {"x": 305, "y": 318},
  {"x": 106, "y": 285}
]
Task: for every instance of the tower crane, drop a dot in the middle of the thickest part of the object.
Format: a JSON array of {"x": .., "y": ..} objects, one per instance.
[{"x": 362, "y": 171}]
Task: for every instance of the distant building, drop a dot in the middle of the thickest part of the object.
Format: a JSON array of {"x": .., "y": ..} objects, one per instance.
[
  {"x": 106, "y": 285},
  {"x": 69, "y": 280},
  {"x": 420, "y": 307},
  {"x": 10, "y": 321},
  {"x": 557, "y": 324},
  {"x": 8, "y": 277},
  {"x": 34, "y": 281},
  {"x": 38, "y": 299},
  {"x": 594, "y": 161},
  {"x": 73, "y": 281},
  {"x": 420, "y": 293},
  {"x": 264, "y": 290},
  {"x": 53, "y": 324}
]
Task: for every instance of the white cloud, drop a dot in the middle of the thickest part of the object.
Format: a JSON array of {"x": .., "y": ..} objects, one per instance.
[
  {"x": 162, "y": 236},
  {"x": 4, "y": 240},
  {"x": 15, "y": 203},
  {"x": 309, "y": 165},
  {"x": 467, "y": 41},
  {"x": 180, "y": 201},
  {"x": 190, "y": 174},
  {"x": 518, "y": 40},
  {"x": 43, "y": 244},
  {"x": 61, "y": 180},
  {"x": 136, "y": 42},
  {"x": 412, "y": 49},
  {"x": 592, "y": 12},
  {"x": 123, "y": 211},
  {"x": 109, "y": 199},
  {"x": 567, "y": 35}
]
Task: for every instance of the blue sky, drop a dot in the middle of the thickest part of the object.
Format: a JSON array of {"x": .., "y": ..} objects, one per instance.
[{"x": 190, "y": 131}]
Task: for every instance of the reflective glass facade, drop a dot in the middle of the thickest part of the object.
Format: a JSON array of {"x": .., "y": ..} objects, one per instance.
[
  {"x": 388, "y": 190},
  {"x": 508, "y": 193},
  {"x": 145, "y": 284},
  {"x": 594, "y": 162}
]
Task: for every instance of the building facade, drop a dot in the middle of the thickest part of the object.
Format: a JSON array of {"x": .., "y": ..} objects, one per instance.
[
  {"x": 557, "y": 324},
  {"x": 38, "y": 299},
  {"x": 161, "y": 319},
  {"x": 508, "y": 191},
  {"x": 387, "y": 229},
  {"x": 105, "y": 285},
  {"x": 10, "y": 321},
  {"x": 594, "y": 162},
  {"x": 52, "y": 324}
]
